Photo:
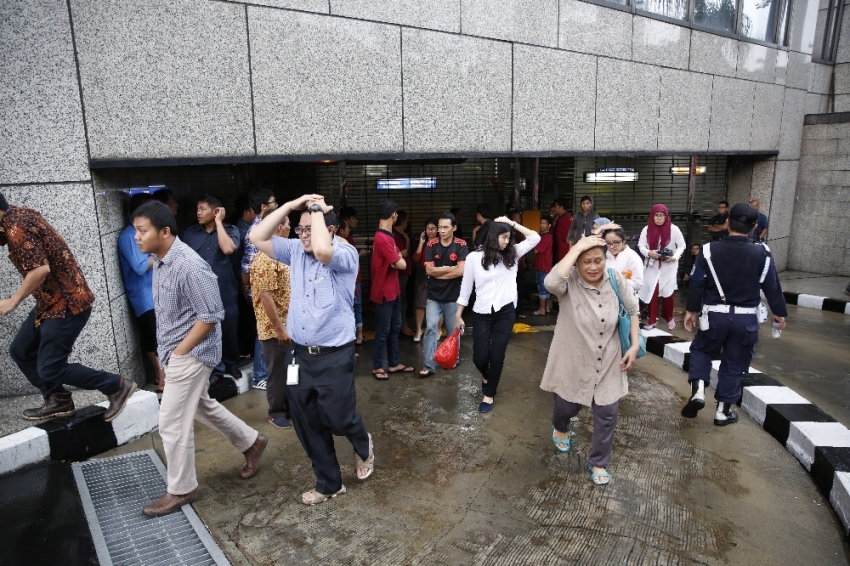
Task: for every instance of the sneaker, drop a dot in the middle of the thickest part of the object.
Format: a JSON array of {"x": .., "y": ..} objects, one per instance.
[
  {"x": 53, "y": 408},
  {"x": 260, "y": 384},
  {"x": 280, "y": 422}
]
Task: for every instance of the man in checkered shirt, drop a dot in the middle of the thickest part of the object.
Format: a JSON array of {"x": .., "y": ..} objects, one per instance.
[{"x": 189, "y": 312}]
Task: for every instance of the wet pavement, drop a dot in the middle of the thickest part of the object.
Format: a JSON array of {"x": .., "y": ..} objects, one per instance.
[{"x": 452, "y": 486}]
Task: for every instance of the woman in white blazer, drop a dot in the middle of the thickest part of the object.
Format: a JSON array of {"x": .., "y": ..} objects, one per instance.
[{"x": 660, "y": 272}]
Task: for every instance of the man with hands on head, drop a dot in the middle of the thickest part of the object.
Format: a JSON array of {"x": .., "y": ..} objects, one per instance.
[{"x": 321, "y": 392}]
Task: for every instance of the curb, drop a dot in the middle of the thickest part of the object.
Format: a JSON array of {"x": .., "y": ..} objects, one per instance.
[
  {"x": 816, "y": 302},
  {"x": 817, "y": 440},
  {"x": 87, "y": 434}
]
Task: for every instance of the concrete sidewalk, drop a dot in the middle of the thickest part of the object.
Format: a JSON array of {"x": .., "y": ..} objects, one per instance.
[{"x": 828, "y": 286}]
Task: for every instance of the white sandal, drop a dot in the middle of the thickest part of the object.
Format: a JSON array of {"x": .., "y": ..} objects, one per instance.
[
  {"x": 315, "y": 497},
  {"x": 369, "y": 463}
]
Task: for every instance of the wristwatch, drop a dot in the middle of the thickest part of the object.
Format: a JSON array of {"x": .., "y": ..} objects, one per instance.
[{"x": 315, "y": 208}]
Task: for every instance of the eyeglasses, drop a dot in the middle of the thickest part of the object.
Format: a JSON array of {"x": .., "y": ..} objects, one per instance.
[
  {"x": 303, "y": 230},
  {"x": 272, "y": 201},
  {"x": 614, "y": 244}
]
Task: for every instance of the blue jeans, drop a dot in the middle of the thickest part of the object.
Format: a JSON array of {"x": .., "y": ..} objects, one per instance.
[
  {"x": 358, "y": 306},
  {"x": 261, "y": 371},
  {"x": 387, "y": 327},
  {"x": 539, "y": 276},
  {"x": 433, "y": 310}
]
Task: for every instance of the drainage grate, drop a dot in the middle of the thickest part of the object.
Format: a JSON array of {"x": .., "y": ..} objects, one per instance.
[{"x": 114, "y": 490}]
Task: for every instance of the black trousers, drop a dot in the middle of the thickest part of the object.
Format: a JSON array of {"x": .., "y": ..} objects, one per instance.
[
  {"x": 229, "y": 336},
  {"x": 42, "y": 354},
  {"x": 277, "y": 357},
  {"x": 324, "y": 404},
  {"x": 490, "y": 336}
]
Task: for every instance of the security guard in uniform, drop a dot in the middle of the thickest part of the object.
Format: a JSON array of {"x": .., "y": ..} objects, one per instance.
[{"x": 728, "y": 327}]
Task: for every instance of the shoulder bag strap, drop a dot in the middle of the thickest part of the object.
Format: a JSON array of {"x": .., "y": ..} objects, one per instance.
[
  {"x": 613, "y": 278},
  {"x": 706, "y": 250}
]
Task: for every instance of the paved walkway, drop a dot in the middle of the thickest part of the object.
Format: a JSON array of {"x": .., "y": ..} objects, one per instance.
[{"x": 814, "y": 284}]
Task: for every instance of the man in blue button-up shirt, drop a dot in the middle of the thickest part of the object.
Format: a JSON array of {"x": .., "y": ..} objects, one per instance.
[{"x": 323, "y": 269}]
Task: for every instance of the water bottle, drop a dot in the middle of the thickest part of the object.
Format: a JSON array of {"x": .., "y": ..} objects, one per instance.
[{"x": 776, "y": 331}]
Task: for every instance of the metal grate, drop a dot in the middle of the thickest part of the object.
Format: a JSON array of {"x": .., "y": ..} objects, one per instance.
[{"x": 114, "y": 490}]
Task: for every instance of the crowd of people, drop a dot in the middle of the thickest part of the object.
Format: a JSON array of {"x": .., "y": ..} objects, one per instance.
[{"x": 303, "y": 298}]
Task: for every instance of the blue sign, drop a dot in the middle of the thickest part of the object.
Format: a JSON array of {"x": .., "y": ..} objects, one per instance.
[{"x": 418, "y": 184}]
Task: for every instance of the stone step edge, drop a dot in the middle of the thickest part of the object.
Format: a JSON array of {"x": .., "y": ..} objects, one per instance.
[
  {"x": 816, "y": 302},
  {"x": 87, "y": 434},
  {"x": 816, "y": 439}
]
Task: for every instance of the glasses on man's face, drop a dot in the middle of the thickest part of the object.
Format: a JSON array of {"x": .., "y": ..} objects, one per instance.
[
  {"x": 614, "y": 244},
  {"x": 272, "y": 201},
  {"x": 303, "y": 230}
]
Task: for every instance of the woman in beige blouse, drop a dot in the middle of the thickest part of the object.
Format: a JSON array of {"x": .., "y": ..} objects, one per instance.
[{"x": 586, "y": 366}]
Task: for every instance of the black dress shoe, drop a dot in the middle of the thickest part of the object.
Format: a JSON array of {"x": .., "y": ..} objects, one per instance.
[
  {"x": 731, "y": 418},
  {"x": 53, "y": 408},
  {"x": 234, "y": 372}
]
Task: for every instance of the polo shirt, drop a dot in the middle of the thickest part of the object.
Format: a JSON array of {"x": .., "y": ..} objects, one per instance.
[
  {"x": 401, "y": 243},
  {"x": 385, "y": 252},
  {"x": 205, "y": 245},
  {"x": 438, "y": 255}
]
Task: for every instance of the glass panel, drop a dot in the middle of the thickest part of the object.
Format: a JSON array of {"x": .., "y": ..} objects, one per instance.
[
  {"x": 820, "y": 29},
  {"x": 715, "y": 14},
  {"x": 671, "y": 8},
  {"x": 758, "y": 19},
  {"x": 782, "y": 27},
  {"x": 622, "y": 2}
]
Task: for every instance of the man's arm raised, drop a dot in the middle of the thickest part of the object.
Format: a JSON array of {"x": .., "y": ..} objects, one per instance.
[{"x": 261, "y": 235}]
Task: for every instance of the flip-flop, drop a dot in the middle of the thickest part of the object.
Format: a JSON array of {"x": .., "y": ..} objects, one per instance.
[
  {"x": 380, "y": 374},
  {"x": 426, "y": 373},
  {"x": 561, "y": 444},
  {"x": 368, "y": 463},
  {"x": 316, "y": 497},
  {"x": 603, "y": 475},
  {"x": 405, "y": 369}
]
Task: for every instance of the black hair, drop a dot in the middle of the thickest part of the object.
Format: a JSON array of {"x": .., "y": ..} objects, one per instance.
[
  {"x": 347, "y": 212},
  {"x": 243, "y": 203},
  {"x": 388, "y": 208},
  {"x": 159, "y": 214},
  {"x": 211, "y": 200},
  {"x": 162, "y": 195},
  {"x": 342, "y": 225},
  {"x": 562, "y": 202},
  {"x": 492, "y": 254},
  {"x": 740, "y": 227},
  {"x": 431, "y": 220},
  {"x": 726, "y": 202},
  {"x": 138, "y": 200},
  {"x": 547, "y": 218},
  {"x": 330, "y": 218},
  {"x": 447, "y": 216},
  {"x": 401, "y": 218},
  {"x": 259, "y": 198},
  {"x": 455, "y": 211},
  {"x": 584, "y": 198},
  {"x": 4, "y": 206},
  {"x": 617, "y": 232},
  {"x": 484, "y": 210},
  {"x": 514, "y": 211}
]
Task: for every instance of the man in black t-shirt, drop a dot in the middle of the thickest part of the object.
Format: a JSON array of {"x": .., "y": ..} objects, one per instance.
[
  {"x": 719, "y": 224},
  {"x": 445, "y": 257}
]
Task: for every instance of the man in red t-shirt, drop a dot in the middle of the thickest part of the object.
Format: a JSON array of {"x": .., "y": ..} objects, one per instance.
[
  {"x": 562, "y": 221},
  {"x": 402, "y": 240},
  {"x": 386, "y": 294}
]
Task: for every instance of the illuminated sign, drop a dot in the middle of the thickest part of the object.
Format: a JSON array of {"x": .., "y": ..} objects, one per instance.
[{"x": 418, "y": 184}]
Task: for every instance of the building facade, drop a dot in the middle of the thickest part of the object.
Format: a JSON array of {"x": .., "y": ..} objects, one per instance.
[{"x": 96, "y": 91}]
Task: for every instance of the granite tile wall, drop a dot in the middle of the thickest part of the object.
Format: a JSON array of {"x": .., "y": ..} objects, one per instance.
[
  {"x": 756, "y": 62},
  {"x": 713, "y": 54},
  {"x": 589, "y": 28},
  {"x": 41, "y": 122},
  {"x": 685, "y": 111},
  {"x": 440, "y": 15},
  {"x": 660, "y": 43},
  {"x": 767, "y": 110},
  {"x": 627, "y": 102},
  {"x": 731, "y": 126},
  {"x": 524, "y": 21}
]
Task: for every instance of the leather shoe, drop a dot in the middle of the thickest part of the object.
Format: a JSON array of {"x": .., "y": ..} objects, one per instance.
[
  {"x": 234, "y": 372},
  {"x": 118, "y": 400},
  {"x": 168, "y": 503},
  {"x": 252, "y": 457},
  {"x": 53, "y": 408}
]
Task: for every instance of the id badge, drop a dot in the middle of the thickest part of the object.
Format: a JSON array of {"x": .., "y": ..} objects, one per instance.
[{"x": 292, "y": 372}]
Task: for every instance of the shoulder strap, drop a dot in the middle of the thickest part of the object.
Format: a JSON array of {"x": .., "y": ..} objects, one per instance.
[
  {"x": 767, "y": 257},
  {"x": 706, "y": 250},
  {"x": 613, "y": 279}
]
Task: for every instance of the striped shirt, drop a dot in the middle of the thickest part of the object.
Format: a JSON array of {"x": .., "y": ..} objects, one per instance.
[{"x": 185, "y": 290}]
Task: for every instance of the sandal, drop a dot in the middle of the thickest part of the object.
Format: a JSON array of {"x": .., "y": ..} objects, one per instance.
[
  {"x": 649, "y": 326},
  {"x": 313, "y": 497},
  {"x": 403, "y": 369},
  {"x": 423, "y": 373},
  {"x": 604, "y": 476},
  {"x": 561, "y": 444},
  {"x": 380, "y": 374},
  {"x": 368, "y": 464}
]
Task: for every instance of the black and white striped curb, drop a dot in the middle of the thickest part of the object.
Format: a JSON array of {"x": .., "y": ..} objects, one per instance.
[
  {"x": 817, "y": 440},
  {"x": 87, "y": 434},
  {"x": 819, "y": 303}
]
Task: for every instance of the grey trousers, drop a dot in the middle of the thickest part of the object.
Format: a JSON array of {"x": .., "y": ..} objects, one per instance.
[
  {"x": 277, "y": 357},
  {"x": 604, "y": 423}
]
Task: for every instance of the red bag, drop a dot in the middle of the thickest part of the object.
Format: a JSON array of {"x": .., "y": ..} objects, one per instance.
[{"x": 446, "y": 354}]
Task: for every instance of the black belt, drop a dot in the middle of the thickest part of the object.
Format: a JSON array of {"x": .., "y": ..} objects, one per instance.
[{"x": 317, "y": 350}]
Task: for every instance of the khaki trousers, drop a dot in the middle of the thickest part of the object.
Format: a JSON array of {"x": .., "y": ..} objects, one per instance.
[{"x": 184, "y": 400}]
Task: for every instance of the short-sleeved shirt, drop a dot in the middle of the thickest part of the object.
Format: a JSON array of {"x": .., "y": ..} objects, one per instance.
[
  {"x": 401, "y": 243},
  {"x": 33, "y": 242},
  {"x": 206, "y": 245},
  {"x": 268, "y": 275},
  {"x": 184, "y": 292},
  {"x": 249, "y": 249},
  {"x": 438, "y": 255},
  {"x": 350, "y": 240},
  {"x": 719, "y": 220},
  {"x": 385, "y": 253},
  {"x": 543, "y": 255},
  {"x": 560, "y": 231},
  {"x": 323, "y": 314},
  {"x": 138, "y": 279},
  {"x": 761, "y": 225}
]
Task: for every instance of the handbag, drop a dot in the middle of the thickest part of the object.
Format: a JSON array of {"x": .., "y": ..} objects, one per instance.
[{"x": 624, "y": 326}]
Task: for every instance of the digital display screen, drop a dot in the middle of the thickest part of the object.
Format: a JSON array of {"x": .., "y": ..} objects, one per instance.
[{"x": 417, "y": 184}]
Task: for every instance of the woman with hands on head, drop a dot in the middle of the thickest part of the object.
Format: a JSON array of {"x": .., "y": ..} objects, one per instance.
[
  {"x": 492, "y": 270},
  {"x": 586, "y": 364}
]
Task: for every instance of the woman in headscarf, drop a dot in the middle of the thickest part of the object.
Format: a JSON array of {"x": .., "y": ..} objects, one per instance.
[
  {"x": 662, "y": 244},
  {"x": 492, "y": 270},
  {"x": 586, "y": 364}
]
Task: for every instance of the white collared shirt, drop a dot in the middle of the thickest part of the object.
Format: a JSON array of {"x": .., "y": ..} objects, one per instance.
[
  {"x": 494, "y": 287},
  {"x": 627, "y": 261}
]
